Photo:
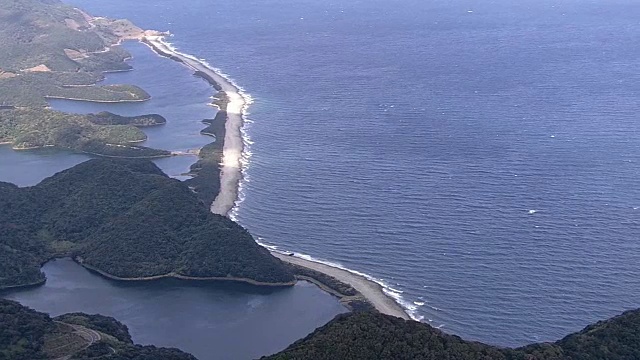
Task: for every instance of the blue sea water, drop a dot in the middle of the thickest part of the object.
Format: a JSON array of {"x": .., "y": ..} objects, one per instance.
[
  {"x": 480, "y": 158},
  {"x": 208, "y": 320}
]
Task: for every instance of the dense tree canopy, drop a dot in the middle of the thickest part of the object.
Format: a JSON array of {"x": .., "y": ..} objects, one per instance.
[
  {"x": 104, "y": 324},
  {"x": 26, "y": 334},
  {"x": 52, "y": 50},
  {"x": 368, "y": 335},
  {"x": 127, "y": 219}
]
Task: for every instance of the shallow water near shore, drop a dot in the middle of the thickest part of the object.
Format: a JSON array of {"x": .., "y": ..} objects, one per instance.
[
  {"x": 480, "y": 158},
  {"x": 211, "y": 321}
]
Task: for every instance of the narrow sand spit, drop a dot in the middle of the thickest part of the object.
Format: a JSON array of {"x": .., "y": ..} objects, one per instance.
[
  {"x": 231, "y": 175},
  {"x": 231, "y": 172},
  {"x": 369, "y": 289}
]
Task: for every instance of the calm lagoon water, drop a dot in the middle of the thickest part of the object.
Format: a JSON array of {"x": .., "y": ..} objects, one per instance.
[{"x": 481, "y": 158}]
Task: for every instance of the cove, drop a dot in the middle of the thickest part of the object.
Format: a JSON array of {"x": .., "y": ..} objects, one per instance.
[{"x": 209, "y": 320}]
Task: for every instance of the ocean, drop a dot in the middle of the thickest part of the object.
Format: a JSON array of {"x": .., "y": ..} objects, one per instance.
[{"x": 479, "y": 159}]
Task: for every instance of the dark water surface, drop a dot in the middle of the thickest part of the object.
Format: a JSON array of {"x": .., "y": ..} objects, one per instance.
[
  {"x": 210, "y": 321},
  {"x": 220, "y": 321},
  {"x": 482, "y": 158}
]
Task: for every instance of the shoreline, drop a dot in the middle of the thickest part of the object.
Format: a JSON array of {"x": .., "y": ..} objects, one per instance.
[
  {"x": 233, "y": 148},
  {"x": 370, "y": 290},
  {"x": 181, "y": 277},
  {"x": 231, "y": 176},
  {"x": 22, "y": 287},
  {"x": 96, "y": 101}
]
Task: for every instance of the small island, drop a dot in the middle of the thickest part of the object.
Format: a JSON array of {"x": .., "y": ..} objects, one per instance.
[{"x": 27, "y": 335}]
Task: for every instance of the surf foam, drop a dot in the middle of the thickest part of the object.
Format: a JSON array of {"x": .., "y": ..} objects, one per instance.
[{"x": 239, "y": 104}]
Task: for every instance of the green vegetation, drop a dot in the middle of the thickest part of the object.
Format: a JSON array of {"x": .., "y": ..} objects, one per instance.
[
  {"x": 26, "y": 334},
  {"x": 29, "y": 335},
  {"x": 37, "y": 128},
  {"x": 22, "y": 332},
  {"x": 49, "y": 50},
  {"x": 33, "y": 90},
  {"x": 349, "y": 297},
  {"x": 206, "y": 171},
  {"x": 617, "y": 338},
  {"x": 127, "y": 219},
  {"x": 107, "y": 118},
  {"x": 36, "y": 32},
  {"x": 104, "y": 324},
  {"x": 368, "y": 335}
]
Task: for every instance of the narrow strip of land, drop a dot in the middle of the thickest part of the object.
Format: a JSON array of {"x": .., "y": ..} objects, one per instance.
[
  {"x": 372, "y": 291},
  {"x": 231, "y": 172}
]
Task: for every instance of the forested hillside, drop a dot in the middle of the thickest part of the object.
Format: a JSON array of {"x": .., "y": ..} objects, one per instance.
[
  {"x": 51, "y": 50},
  {"x": 26, "y": 334},
  {"x": 127, "y": 219},
  {"x": 368, "y": 335}
]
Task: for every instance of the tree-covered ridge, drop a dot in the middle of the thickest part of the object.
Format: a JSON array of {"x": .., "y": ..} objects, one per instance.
[
  {"x": 47, "y": 48},
  {"x": 103, "y": 134},
  {"x": 126, "y": 219},
  {"x": 26, "y": 334},
  {"x": 368, "y": 335},
  {"x": 206, "y": 171},
  {"x": 616, "y": 338},
  {"x": 104, "y": 324},
  {"x": 35, "y": 32},
  {"x": 107, "y": 118}
]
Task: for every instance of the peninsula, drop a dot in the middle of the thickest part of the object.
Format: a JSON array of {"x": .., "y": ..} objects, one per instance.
[
  {"x": 127, "y": 221},
  {"x": 71, "y": 70},
  {"x": 29, "y": 335},
  {"x": 49, "y": 50},
  {"x": 222, "y": 159},
  {"x": 231, "y": 104}
]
